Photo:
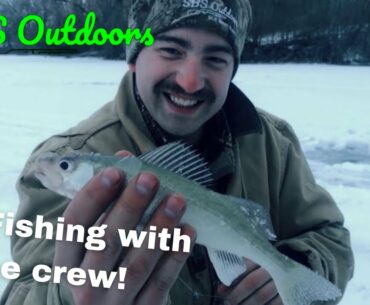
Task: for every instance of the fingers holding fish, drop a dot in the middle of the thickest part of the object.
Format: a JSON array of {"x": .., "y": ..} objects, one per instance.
[
  {"x": 154, "y": 269},
  {"x": 125, "y": 214},
  {"x": 140, "y": 262},
  {"x": 123, "y": 153},
  {"x": 251, "y": 265},
  {"x": 165, "y": 273},
  {"x": 144, "y": 264},
  {"x": 129, "y": 208},
  {"x": 275, "y": 301},
  {"x": 263, "y": 295},
  {"x": 93, "y": 199},
  {"x": 255, "y": 288}
]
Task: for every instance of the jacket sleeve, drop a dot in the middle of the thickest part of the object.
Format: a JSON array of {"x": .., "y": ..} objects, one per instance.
[
  {"x": 35, "y": 200},
  {"x": 310, "y": 225}
]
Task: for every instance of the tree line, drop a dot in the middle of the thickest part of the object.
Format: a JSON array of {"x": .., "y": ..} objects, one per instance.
[{"x": 332, "y": 31}]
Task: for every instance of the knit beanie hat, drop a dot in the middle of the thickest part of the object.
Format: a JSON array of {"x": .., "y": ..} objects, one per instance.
[{"x": 229, "y": 18}]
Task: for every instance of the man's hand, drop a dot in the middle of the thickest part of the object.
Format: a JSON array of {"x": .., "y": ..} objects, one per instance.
[
  {"x": 150, "y": 273},
  {"x": 255, "y": 288}
]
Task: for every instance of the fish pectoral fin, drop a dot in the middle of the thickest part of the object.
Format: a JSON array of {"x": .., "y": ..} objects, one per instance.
[{"x": 228, "y": 266}]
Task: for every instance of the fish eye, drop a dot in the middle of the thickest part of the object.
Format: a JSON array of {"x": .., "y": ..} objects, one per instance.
[{"x": 64, "y": 165}]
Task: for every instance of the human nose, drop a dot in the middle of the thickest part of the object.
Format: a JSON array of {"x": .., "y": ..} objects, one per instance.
[{"x": 190, "y": 76}]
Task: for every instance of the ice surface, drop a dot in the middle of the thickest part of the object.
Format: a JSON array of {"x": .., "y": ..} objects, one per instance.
[{"x": 328, "y": 106}]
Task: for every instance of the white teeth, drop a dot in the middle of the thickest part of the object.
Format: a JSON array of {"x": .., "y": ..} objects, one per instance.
[{"x": 183, "y": 102}]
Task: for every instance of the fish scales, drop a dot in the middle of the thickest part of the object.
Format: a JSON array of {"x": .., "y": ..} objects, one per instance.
[{"x": 236, "y": 227}]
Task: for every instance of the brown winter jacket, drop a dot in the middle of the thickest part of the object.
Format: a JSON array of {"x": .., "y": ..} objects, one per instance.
[{"x": 269, "y": 168}]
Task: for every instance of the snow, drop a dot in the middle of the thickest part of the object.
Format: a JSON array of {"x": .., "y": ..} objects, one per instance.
[{"x": 328, "y": 107}]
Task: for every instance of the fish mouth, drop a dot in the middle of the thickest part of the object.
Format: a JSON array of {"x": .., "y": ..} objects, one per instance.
[
  {"x": 39, "y": 174},
  {"x": 38, "y": 170}
]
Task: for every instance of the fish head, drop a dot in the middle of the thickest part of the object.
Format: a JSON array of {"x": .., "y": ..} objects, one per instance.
[{"x": 63, "y": 174}]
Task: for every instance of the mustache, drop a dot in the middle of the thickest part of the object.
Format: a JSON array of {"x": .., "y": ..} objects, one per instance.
[{"x": 205, "y": 93}]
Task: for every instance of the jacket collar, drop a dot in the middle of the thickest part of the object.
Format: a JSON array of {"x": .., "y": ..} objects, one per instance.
[{"x": 241, "y": 114}]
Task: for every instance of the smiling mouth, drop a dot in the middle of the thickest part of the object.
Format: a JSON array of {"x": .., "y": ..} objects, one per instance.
[{"x": 182, "y": 102}]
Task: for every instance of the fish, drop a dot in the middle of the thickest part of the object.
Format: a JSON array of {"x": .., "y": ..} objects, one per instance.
[{"x": 231, "y": 228}]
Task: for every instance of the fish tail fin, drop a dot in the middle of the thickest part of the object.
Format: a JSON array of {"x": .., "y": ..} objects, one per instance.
[{"x": 303, "y": 286}]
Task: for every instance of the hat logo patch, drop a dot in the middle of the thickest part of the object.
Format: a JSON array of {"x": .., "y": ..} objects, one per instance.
[{"x": 215, "y": 8}]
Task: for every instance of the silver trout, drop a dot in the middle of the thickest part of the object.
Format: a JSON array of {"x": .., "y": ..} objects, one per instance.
[{"x": 230, "y": 228}]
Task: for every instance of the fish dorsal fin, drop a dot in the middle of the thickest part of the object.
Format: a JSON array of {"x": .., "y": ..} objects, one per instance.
[
  {"x": 256, "y": 213},
  {"x": 228, "y": 266},
  {"x": 181, "y": 159}
]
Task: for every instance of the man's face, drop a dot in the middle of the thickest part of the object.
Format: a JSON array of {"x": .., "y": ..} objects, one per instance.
[{"x": 183, "y": 78}]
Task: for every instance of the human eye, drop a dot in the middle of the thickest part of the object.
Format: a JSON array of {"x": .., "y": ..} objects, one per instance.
[
  {"x": 170, "y": 52},
  {"x": 217, "y": 62}
]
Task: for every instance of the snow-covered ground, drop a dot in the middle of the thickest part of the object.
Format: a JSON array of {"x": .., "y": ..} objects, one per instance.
[{"x": 328, "y": 106}]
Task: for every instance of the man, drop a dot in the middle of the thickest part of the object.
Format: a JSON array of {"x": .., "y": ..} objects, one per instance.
[{"x": 180, "y": 88}]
